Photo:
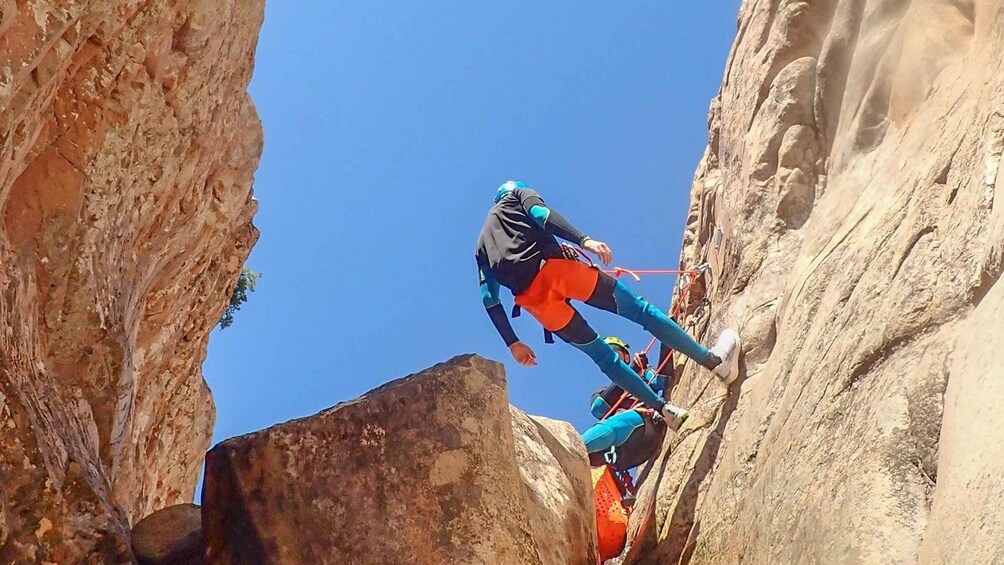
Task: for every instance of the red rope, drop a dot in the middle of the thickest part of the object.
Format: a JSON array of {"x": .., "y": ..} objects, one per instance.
[
  {"x": 618, "y": 271},
  {"x": 674, "y": 312},
  {"x": 635, "y": 273}
]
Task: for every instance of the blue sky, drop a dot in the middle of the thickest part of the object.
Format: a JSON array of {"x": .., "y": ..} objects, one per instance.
[{"x": 388, "y": 126}]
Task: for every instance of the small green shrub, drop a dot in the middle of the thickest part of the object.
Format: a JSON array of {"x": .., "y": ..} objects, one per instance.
[{"x": 245, "y": 284}]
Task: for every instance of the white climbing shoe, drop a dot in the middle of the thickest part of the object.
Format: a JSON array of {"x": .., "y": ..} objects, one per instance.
[
  {"x": 727, "y": 349},
  {"x": 674, "y": 416}
]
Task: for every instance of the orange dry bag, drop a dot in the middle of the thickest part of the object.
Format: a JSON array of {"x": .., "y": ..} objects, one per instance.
[{"x": 611, "y": 517}]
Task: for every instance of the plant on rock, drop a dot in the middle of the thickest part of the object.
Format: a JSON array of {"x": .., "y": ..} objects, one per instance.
[{"x": 245, "y": 283}]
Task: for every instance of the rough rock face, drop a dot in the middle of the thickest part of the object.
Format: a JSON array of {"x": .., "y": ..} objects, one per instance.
[
  {"x": 127, "y": 148},
  {"x": 553, "y": 463},
  {"x": 848, "y": 200},
  {"x": 426, "y": 469},
  {"x": 171, "y": 536}
]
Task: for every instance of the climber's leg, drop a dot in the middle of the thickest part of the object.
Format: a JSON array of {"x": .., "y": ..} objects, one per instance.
[
  {"x": 613, "y": 296},
  {"x": 578, "y": 333},
  {"x": 547, "y": 300}
]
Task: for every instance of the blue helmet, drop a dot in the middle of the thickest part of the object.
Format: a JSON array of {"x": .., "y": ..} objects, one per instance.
[{"x": 507, "y": 187}]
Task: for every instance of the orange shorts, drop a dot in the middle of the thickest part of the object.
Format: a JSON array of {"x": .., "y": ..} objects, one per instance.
[{"x": 558, "y": 281}]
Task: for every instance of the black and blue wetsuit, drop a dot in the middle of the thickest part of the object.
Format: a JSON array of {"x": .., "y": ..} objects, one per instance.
[
  {"x": 518, "y": 236},
  {"x": 518, "y": 239},
  {"x": 634, "y": 436}
]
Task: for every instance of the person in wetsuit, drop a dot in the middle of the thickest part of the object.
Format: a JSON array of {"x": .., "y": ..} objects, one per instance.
[
  {"x": 518, "y": 249},
  {"x": 625, "y": 438}
]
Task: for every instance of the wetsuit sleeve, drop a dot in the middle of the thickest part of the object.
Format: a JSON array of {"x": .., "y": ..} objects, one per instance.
[
  {"x": 547, "y": 218},
  {"x": 603, "y": 398},
  {"x": 493, "y": 305},
  {"x": 599, "y": 408}
]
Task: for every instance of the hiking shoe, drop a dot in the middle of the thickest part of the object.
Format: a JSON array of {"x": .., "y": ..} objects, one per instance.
[
  {"x": 727, "y": 349},
  {"x": 674, "y": 416}
]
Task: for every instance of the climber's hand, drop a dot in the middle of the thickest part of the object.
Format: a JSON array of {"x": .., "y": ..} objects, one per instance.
[
  {"x": 600, "y": 249},
  {"x": 522, "y": 353},
  {"x": 643, "y": 359}
]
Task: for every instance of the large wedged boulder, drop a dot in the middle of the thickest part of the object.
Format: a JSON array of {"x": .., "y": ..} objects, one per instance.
[
  {"x": 423, "y": 470},
  {"x": 170, "y": 536},
  {"x": 550, "y": 456}
]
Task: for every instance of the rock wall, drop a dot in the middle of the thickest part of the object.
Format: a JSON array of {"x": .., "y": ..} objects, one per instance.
[
  {"x": 847, "y": 201},
  {"x": 432, "y": 468},
  {"x": 554, "y": 467},
  {"x": 127, "y": 149}
]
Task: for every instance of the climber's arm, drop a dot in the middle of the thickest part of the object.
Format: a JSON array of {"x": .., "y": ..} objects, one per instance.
[
  {"x": 493, "y": 305},
  {"x": 557, "y": 225},
  {"x": 549, "y": 219}
]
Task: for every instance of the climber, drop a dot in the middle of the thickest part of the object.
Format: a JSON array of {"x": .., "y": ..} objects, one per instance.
[
  {"x": 629, "y": 437},
  {"x": 613, "y": 396},
  {"x": 517, "y": 249}
]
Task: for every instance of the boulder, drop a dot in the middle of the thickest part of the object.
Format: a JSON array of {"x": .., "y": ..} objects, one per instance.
[
  {"x": 421, "y": 470},
  {"x": 171, "y": 536},
  {"x": 554, "y": 467}
]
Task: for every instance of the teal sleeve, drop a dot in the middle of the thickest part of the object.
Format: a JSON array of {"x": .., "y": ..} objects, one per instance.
[
  {"x": 489, "y": 288},
  {"x": 555, "y": 224},
  {"x": 656, "y": 382},
  {"x": 490, "y": 298},
  {"x": 599, "y": 408},
  {"x": 539, "y": 213}
]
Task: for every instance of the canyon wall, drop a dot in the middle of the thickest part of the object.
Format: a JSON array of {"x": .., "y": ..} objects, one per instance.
[
  {"x": 128, "y": 145},
  {"x": 847, "y": 205}
]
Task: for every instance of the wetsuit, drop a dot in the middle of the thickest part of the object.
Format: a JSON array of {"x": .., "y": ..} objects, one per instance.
[
  {"x": 634, "y": 435},
  {"x": 518, "y": 249},
  {"x": 605, "y": 398}
]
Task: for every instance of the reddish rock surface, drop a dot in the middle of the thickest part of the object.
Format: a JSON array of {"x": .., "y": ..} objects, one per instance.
[
  {"x": 127, "y": 149},
  {"x": 852, "y": 170},
  {"x": 422, "y": 470},
  {"x": 171, "y": 536}
]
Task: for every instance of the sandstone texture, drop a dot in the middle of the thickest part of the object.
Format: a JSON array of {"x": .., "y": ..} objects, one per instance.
[
  {"x": 172, "y": 536},
  {"x": 127, "y": 148},
  {"x": 847, "y": 202},
  {"x": 554, "y": 466},
  {"x": 432, "y": 468}
]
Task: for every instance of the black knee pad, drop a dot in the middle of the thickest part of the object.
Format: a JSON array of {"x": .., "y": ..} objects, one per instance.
[
  {"x": 603, "y": 295},
  {"x": 577, "y": 331}
]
